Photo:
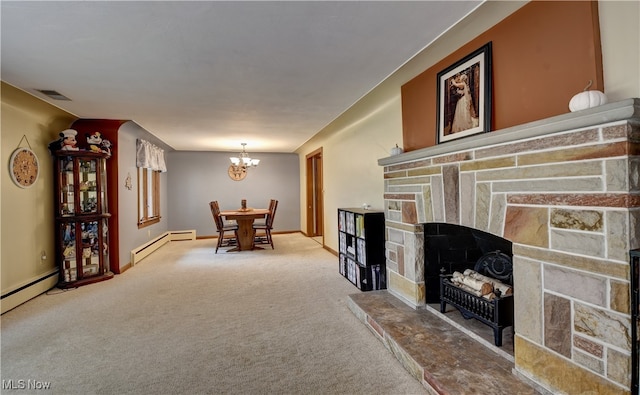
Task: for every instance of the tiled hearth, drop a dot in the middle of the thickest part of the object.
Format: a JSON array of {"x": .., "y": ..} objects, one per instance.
[
  {"x": 566, "y": 192},
  {"x": 443, "y": 358}
]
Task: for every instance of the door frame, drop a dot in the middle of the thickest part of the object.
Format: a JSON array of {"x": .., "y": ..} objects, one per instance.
[{"x": 315, "y": 194}]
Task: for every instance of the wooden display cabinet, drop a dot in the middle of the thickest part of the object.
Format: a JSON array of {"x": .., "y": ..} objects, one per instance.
[{"x": 82, "y": 218}]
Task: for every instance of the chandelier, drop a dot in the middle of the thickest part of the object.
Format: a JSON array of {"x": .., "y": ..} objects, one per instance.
[{"x": 243, "y": 161}]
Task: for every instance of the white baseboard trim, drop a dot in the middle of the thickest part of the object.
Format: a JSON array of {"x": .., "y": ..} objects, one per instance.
[{"x": 143, "y": 251}]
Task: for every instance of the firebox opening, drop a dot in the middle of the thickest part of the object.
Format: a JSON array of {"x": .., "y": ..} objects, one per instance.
[
  {"x": 455, "y": 248},
  {"x": 455, "y": 251}
]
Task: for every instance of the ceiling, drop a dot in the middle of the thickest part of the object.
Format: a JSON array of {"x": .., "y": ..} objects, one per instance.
[{"x": 210, "y": 75}]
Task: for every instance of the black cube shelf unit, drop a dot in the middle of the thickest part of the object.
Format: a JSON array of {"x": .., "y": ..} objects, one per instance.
[{"x": 361, "y": 248}]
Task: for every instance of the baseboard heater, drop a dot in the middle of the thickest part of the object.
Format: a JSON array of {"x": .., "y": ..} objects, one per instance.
[
  {"x": 30, "y": 283},
  {"x": 146, "y": 249}
]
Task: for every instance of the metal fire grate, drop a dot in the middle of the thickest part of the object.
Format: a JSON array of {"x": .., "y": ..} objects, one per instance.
[{"x": 496, "y": 313}]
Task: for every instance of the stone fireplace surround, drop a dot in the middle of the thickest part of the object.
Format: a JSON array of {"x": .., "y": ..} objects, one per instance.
[{"x": 566, "y": 192}]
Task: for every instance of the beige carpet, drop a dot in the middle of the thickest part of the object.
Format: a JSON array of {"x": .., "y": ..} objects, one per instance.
[{"x": 188, "y": 321}]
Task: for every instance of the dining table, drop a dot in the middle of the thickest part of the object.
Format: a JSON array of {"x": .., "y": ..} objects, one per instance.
[{"x": 245, "y": 218}]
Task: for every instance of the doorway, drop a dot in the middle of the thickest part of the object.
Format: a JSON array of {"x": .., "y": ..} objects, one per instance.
[{"x": 315, "y": 195}]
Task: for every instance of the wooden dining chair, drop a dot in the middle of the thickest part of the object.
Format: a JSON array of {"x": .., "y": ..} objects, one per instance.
[
  {"x": 263, "y": 230},
  {"x": 262, "y": 222},
  {"x": 227, "y": 233}
]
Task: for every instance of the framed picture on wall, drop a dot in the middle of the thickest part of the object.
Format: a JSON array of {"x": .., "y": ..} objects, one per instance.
[{"x": 464, "y": 96}]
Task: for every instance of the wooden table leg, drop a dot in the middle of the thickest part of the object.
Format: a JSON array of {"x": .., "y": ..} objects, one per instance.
[{"x": 246, "y": 234}]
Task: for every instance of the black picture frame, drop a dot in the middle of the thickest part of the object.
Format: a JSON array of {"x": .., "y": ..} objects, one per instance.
[{"x": 464, "y": 96}]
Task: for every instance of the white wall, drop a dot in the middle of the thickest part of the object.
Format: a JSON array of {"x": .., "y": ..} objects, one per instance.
[
  {"x": 620, "y": 36},
  {"x": 196, "y": 178},
  {"x": 351, "y": 175}
]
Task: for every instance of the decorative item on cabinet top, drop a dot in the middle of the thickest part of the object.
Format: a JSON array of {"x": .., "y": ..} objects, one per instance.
[{"x": 68, "y": 141}]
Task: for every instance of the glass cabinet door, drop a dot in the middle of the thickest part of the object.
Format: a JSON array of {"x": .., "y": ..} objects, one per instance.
[
  {"x": 94, "y": 247},
  {"x": 67, "y": 187},
  {"x": 68, "y": 232},
  {"x": 102, "y": 186},
  {"x": 84, "y": 249},
  {"x": 88, "y": 186}
]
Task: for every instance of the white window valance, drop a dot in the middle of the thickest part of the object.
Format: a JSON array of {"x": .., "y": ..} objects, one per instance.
[{"x": 150, "y": 156}]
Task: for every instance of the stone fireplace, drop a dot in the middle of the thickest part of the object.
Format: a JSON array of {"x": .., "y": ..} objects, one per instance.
[{"x": 565, "y": 191}]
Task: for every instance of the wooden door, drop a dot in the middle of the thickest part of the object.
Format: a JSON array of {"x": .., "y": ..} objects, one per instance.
[{"x": 314, "y": 194}]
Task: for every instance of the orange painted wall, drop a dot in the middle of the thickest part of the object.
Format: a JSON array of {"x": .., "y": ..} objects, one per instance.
[{"x": 543, "y": 54}]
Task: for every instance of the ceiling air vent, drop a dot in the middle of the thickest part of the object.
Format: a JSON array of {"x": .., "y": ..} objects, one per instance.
[{"x": 53, "y": 94}]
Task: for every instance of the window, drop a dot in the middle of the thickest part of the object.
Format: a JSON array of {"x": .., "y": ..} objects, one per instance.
[
  {"x": 150, "y": 163},
  {"x": 148, "y": 197}
]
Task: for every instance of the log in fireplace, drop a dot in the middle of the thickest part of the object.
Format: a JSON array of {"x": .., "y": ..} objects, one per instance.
[{"x": 466, "y": 291}]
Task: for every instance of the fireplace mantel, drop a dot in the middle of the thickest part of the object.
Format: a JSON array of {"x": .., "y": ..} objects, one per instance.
[{"x": 611, "y": 112}]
